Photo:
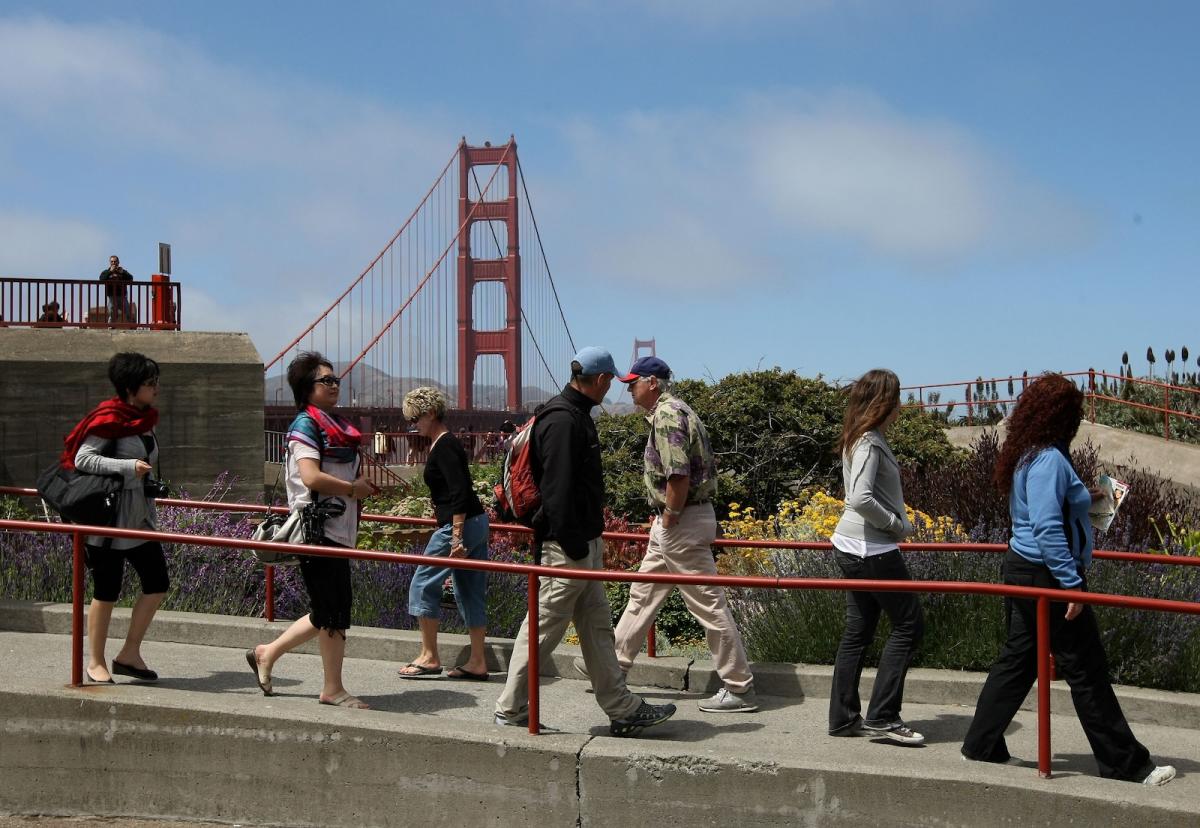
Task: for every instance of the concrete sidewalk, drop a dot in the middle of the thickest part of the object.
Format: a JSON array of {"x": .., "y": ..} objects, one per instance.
[{"x": 203, "y": 743}]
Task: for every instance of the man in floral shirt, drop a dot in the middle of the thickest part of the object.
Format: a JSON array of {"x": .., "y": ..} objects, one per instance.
[{"x": 681, "y": 482}]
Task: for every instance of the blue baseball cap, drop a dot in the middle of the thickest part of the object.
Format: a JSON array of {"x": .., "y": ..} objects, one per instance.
[
  {"x": 595, "y": 361},
  {"x": 650, "y": 366}
]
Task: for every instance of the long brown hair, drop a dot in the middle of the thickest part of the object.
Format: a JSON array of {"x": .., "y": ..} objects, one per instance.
[
  {"x": 872, "y": 398},
  {"x": 1048, "y": 413}
]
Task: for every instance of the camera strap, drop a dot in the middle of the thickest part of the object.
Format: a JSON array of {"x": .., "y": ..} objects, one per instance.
[{"x": 150, "y": 443}]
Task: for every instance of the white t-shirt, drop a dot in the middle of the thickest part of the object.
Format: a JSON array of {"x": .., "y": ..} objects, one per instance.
[
  {"x": 860, "y": 548},
  {"x": 344, "y": 529}
]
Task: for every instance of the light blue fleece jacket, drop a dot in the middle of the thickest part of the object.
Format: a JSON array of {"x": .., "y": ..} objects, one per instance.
[{"x": 1049, "y": 509}]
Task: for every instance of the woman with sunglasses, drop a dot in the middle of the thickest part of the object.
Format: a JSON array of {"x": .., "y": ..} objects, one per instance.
[
  {"x": 117, "y": 438},
  {"x": 323, "y": 462},
  {"x": 463, "y": 533}
]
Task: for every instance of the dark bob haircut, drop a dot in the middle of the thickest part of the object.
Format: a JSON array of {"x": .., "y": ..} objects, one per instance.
[
  {"x": 302, "y": 375},
  {"x": 128, "y": 371}
]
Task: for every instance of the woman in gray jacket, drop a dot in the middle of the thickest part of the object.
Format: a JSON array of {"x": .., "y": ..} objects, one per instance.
[
  {"x": 117, "y": 438},
  {"x": 865, "y": 547}
]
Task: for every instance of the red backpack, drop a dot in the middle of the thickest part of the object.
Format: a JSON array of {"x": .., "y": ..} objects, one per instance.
[{"x": 517, "y": 495}]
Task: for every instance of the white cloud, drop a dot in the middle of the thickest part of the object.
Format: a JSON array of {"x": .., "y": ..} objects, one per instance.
[{"x": 53, "y": 247}]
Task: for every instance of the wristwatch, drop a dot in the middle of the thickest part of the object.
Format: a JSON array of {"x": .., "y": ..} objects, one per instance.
[{"x": 672, "y": 512}]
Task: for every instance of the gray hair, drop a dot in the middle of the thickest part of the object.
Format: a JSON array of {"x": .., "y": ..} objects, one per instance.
[{"x": 425, "y": 400}]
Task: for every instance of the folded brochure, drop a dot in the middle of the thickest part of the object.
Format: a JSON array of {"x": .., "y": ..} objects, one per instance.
[{"x": 1104, "y": 510}]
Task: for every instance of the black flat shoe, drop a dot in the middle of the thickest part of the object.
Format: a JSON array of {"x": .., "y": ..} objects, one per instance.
[
  {"x": 91, "y": 680},
  {"x": 133, "y": 672}
]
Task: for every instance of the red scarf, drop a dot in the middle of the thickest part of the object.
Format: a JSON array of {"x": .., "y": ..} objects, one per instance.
[{"x": 111, "y": 419}]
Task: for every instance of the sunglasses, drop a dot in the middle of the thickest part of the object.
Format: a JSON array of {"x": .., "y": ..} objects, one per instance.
[{"x": 329, "y": 381}]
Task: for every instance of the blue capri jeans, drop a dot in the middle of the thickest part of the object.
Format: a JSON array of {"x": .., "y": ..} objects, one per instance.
[{"x": 470, "y": 585}]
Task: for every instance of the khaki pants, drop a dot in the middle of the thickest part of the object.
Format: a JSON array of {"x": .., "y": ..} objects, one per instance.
[
  {"x": 560, "y": 601},
  {"x": 686, "y": 549}
]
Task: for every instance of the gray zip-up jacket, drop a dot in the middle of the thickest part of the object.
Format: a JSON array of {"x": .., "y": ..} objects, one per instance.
[
  {"x": 874, "y": 500},
  {"x": 135, "y": 511}
]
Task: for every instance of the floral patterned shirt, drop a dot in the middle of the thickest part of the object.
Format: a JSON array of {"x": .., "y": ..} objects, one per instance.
[{"x": 678, "y": 445}]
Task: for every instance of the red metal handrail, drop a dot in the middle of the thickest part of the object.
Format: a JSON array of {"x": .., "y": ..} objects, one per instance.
[
  {"x": 1091, "y": 395},
  {"x": 1044, "y": 597},
  {"x": 86, "y": 303}
]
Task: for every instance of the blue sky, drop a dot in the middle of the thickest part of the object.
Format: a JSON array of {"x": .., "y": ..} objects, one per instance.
[{"x": 947, "y": 188}]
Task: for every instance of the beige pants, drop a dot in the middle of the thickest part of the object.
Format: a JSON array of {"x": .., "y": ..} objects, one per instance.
[
  {"x": 560, "y": 601},
  {"x": 686, "y": 549}
]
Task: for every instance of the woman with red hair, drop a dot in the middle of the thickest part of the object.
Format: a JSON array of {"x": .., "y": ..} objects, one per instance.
[{"x": 1051, "y": 548}]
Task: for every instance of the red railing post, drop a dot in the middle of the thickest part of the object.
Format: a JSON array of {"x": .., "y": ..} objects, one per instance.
[
  {"x": 1092, "y": 393},
  {"x": 535, "y": 668},
  {"x": 1166, "y": 412},
  {"x": 651, "y": 648},
  {"x": 269, "y": 609},
  {"x": 1043, "y": 706},
  {"x": 76, "y": 609}
]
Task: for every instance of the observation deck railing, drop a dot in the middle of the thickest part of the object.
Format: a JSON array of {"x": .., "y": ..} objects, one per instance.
[{"x": 90, "y": 303}]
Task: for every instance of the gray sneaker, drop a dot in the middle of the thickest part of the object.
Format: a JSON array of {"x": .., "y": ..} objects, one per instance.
[
  {"x": 726, "y": 701},
  {"x": 648, "y": 715},
  {"x": 518, "y": 720},
  {"x": 897, "y": 731}
]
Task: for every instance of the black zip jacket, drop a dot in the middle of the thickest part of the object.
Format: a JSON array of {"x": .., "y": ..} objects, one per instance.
[{"x": 566, "y": 467}]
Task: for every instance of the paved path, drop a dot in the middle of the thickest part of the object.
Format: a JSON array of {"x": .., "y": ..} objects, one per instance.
[{"x": 746, "y": 761}]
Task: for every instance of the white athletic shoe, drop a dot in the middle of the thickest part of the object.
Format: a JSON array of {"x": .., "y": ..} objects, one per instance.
[
  {"x": 1161, "y": 775},
  {"x": 726, "y": 702}
]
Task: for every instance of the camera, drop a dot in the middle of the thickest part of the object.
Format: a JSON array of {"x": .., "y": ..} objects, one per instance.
[{"x": 155, "y": 488}]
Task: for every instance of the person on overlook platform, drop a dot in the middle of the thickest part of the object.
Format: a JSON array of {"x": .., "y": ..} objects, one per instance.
[
  {"x": 1051, "y": 548},
  {"x": 50, "y": 314},
  {"x": 462, "y": 533},
  {"x": 116, "y": 280},
  {"x": 865, "y": 547},
  {"x": 566, "y": 465},
  {"x": 117, "y": 438},
  {"x": 680, "y": 473},
  {"x": 322, "y": 459}
]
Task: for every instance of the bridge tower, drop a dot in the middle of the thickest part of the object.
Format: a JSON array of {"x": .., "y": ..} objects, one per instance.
[
  {"x": 506, "y": 342},
  {"x": 640, "y": 345}
]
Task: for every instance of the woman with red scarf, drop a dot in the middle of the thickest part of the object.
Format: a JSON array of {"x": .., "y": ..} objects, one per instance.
[
  {"x": 322, "y": 461},
  {"x": 117, "y": 438}
]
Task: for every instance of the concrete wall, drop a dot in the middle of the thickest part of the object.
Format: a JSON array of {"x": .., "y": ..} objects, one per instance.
[{"x": 210, "y": 400}]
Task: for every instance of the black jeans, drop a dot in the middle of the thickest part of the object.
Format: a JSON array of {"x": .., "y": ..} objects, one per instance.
[
  {"x": 1080, "y": 659},
  {"x": 328, "y": 583},
  {"x": 862, "y": 616}
]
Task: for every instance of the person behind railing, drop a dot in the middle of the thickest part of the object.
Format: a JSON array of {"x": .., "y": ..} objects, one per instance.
[
  {"x": 322, "y": 458},
  {"x": 566, "y": 466},
  {"x": 865, "y": 547},
  {"x": 116, "y": 280},
  {"x": 462, "y": 533},
  {"x": 50, "y": 314},
  {"x": 117, "y": 438},
  {"x": 680, "y": 475},
  {"x": 1051, "y": 548}
]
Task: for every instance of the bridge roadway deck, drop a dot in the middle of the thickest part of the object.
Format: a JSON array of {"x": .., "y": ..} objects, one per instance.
[{"x": 204, "y": 744}]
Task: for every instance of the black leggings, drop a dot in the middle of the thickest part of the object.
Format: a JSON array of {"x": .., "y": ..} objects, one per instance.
[
  {"x": 328, "y": 583},
  {"x": 108, "y": 568}
]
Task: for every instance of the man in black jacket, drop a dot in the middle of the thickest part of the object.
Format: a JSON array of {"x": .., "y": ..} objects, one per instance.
[
  {"x": 566, "y": 466},
  {"x": 115, "y": 279}
]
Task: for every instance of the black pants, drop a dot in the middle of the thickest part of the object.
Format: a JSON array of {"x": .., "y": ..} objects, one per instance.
[
  {"x": 862, "y": 616},
  {"x": 328, "y": 583},
  {"x": 1079, "y": 656},
  {"x": 108, "y": 569}
]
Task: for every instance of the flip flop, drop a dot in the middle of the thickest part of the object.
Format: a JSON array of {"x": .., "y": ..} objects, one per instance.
[
  {"x": 344, "y": 699},
  {"x": 466, "y": 675},
  {"x": 263, "y": 684},
  {"x": 422, "y": 672}
]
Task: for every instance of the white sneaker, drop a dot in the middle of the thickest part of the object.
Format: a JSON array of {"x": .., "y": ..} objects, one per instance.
[
  {"x": 897, "y": 731},
  {"x": 1161, "y": 775},
  {"x": 727, "y": 702}
]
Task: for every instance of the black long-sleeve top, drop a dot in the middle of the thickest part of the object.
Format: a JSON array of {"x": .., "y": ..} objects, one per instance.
[
  {"x": 449, "y": 480},
  {"x": 567, "y": 469}
]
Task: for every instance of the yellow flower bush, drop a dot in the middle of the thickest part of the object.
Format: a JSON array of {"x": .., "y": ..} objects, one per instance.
[{"x": 812, "y": 516}]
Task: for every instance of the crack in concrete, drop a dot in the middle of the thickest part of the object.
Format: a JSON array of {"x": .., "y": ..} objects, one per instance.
[
  {"x": 687, "y": 673},
  {"x": 579, "y": 782}
]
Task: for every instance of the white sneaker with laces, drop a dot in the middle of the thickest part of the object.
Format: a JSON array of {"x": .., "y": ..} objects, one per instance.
[
  {"x": 727, "y": 702},
  {"x": 897, "y": 731},
  {"x": 1161, "y": 775}
]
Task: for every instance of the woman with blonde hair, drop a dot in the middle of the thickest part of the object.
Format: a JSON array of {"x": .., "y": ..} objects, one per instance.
[
  {"x": 865, "y": 547},
  {"x": 462, "y": 533}
]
